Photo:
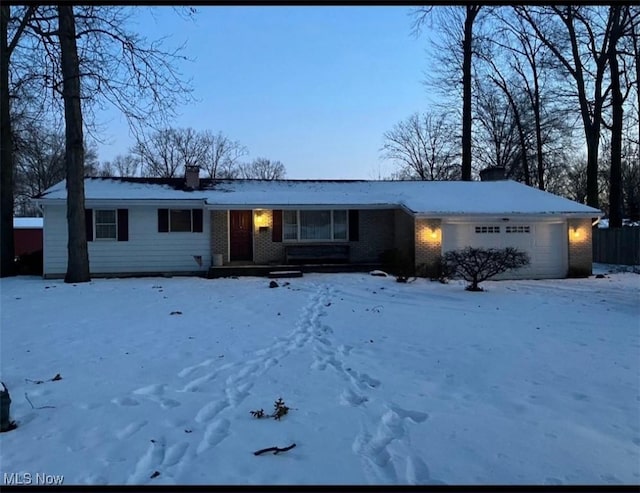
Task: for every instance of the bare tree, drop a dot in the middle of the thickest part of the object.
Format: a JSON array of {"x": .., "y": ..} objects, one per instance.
[
  {"x": 263, "y": 169},
  {"x": 585, "y": 60},
  {"x": 421, "y": 147},
  {"x": 449, "y": 20},
  {"x": 39, "y": 158},
  {"x": 500, "y": 135},
  {"x": 529, "y": 61},
  {"x": 10, "y": 34},
  {"x": 166, "y": 152},
  {"x": 222, "y": 156},
  {"x": 78, "y": 257},
  {"x": 116, "y": 67},
  {"x": 122, "y": 165},
  {"x": 622, "y": 23}
]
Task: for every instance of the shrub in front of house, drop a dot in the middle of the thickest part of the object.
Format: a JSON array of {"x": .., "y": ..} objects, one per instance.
[{"x": 480, "y": 264}]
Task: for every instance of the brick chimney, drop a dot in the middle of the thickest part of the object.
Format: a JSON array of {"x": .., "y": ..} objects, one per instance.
[
  {"x": 494, "y": 173},
  {"x": 192, "y": 176}
]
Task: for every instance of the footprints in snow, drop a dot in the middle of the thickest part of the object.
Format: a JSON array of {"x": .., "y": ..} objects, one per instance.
[
  {"x": 207, "y": 375},
  {"x": 378, "y": 462},
  {"x": 158, "y": 457},
  {"x": 130, "y": 429},
  {"x": 214, "y": 434}
]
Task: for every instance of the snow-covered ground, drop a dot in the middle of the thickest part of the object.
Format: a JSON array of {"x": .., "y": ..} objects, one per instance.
[{"x": 528, "y": 382}]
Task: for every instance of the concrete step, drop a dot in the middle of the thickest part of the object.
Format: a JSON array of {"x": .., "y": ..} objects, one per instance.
[{"x": 284, "y": 274}]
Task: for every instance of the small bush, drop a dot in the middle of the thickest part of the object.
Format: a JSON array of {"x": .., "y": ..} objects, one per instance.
[{"x": 479, "y": 264}]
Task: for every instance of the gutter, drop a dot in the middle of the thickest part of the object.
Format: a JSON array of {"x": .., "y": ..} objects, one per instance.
[{"x": 506, "y": 215}]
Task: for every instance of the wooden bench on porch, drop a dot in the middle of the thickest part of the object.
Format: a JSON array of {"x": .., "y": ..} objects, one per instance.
[{"x": 317, "y": 254}]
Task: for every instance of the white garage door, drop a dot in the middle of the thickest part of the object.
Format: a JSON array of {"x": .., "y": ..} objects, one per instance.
[{"x": 545, "y": 242}]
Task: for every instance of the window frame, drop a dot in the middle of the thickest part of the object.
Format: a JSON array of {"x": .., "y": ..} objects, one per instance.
[
  {"x": 95, "y": 224},
  {"x": 518, "y": 229},
  {"x": 482, "y": 230},
  {"x": 333, "y": 239},
  {"x": 169, "y": 210}
]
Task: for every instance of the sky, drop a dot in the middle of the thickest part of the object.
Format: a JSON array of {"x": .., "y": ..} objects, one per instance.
[{"x": 312, "y": 87}]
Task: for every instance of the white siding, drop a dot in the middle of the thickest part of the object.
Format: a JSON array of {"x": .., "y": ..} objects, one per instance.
[
  {"x": 546, "y": 244},
  {"x": 146, "y": 251}
]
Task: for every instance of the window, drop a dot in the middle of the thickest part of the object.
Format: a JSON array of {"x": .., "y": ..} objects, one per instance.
[
  {"x": 180, "y": 220},
  {"x": 518, "y": 229},
  {"x": 290, "y": 225},
  {"x": 314, "y": 225},
  {"x": 339, "y": 225},
  {"x": 106, "y": 225},
  {"x": 487, "y": 229}
]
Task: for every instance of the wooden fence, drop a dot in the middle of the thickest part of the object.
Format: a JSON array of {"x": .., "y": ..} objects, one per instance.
[{"x": 617, "y": 245}]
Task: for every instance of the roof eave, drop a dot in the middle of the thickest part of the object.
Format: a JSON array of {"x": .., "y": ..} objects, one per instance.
[{"x": 521, "y": 215}]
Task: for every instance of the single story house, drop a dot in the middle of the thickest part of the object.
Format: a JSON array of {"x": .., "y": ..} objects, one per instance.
[
  {"x": 186, "y": 225},
  {"x": 27, "y": 235}
]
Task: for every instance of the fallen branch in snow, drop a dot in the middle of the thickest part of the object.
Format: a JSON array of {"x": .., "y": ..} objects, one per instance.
[
  {"x": 33, "y": 407},
  {"x": 275, "y": 450},
  {"x": 38, "y": 382}
]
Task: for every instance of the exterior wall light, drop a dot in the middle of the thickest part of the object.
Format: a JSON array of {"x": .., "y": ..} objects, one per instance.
[
  {"x": 261, "y": 220},
  {"x": 431, "y": 235}
]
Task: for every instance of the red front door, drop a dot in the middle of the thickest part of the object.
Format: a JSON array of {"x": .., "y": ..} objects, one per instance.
[{"x": 241, "y": 235}]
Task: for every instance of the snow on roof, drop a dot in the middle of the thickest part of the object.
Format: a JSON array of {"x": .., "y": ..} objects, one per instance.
[
  {"x": 421, "y": 197},
  {"x": 27, "y": 223}
]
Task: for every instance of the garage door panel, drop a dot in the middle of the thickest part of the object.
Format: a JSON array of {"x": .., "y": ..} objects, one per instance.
[{"x": 545, "y": 242}]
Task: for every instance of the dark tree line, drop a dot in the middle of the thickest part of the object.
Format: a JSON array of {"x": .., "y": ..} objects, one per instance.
[{"x": 550, "y": 93}]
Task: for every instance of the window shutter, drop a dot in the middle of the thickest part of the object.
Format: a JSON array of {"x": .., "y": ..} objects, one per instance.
[
  {"x": 163, "y": 220},
  {"x": 123, "y": 224},
  {"x": 276, "y": 234},
  {"x": 88, "y": 221},
  {"x": 354, "y": 225},
  {"x": 197, "y": 220}
]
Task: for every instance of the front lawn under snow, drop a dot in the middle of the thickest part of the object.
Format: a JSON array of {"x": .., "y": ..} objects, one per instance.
[{"x": 419, "y": 383}]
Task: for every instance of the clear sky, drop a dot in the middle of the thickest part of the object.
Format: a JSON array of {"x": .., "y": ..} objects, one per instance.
[{"x": 313, "y": 87}]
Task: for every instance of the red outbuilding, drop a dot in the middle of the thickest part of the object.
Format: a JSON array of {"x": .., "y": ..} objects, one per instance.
[{"x": 27, "y": 235}]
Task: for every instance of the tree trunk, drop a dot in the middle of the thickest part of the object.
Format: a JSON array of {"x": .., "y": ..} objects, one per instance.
[
  {"x": 615, "y": 179},
  {"x": 636, "y": 54},
  {"x": 7, "y": 252},
  {"x": 538, "y": 123},
  {"x": 467, "y": 46},
  {"x": 78, "y": 257}
]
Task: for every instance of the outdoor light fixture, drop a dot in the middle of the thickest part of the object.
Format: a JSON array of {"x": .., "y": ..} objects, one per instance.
[
  {"x": 431, "y": 235},
  {"x": 260, "y": 219}
]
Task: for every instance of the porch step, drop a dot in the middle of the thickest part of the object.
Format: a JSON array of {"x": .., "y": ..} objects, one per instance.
[{"x": 284, "y": 273}]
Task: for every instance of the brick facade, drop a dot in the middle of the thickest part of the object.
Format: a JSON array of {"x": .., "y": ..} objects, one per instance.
[
  {"x": 220, "y": 234},
  {"x": 428, "y": 246},
  {"x": 580, "y": 247},
  {"x": 265, "y": 251},
  {"x": 375, "y": 236}
]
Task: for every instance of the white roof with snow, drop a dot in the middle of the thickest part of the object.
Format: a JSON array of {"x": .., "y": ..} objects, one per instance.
[
  {"x": 27, "y": 223},
  {"x": 420, "y": 197}
]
